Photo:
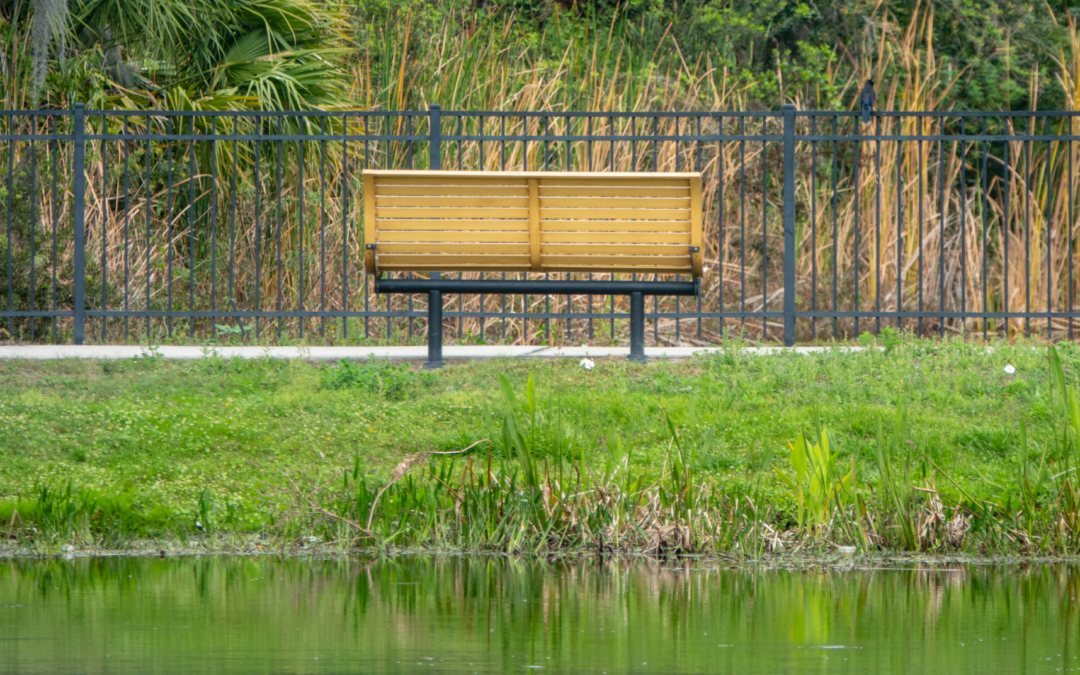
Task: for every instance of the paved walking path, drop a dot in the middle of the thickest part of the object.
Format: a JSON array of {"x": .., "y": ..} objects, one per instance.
[{"x": 49, "y": 352}]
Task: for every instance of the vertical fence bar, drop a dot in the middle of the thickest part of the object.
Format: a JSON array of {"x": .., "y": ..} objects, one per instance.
[
  {"x": 985, "y": 265},
  {"x": 344, "y": 226},
  {"x": 742, "y": 224},
  {"x": 922, "y": 183},
  {"x": 302, "y": 129},
  {"x": 33, "y": 225},
  {"x": 942, "y": 205},
  {"x": 434, "y": 297},
  {"x": 1029, "y": 129},
  {"x": 835, "y": 258},
  {"x": 257, "y": 230},
  {"x": 877, "y": 224},
  {"x": 899, "y": 230},
  {"x": 856, "y": 180},
  {"x": 54, "y": 211},
  {"x": 322, "y": 224},
  {"x": 232, "y": 228},
  {"x": 7, "y": 244},
  {"x": 963, "y": 228},
  {"x": 1069, "y": 192},
  {"x": 149, "y": 217},
  {"x": 79, "y": 198},
  {"x": 127, "y": 221},
  {"x": 366, "y": 164},
  {"x": 720, "y": 221},
  {"x": 1047, "y": 218},
  {"x": 104, "y": 228},
  {"x": 1006, "y": 228},
  {"x": 764, "y": 230},
  {"x": 813, "y": 227},
  {"x": 213, "y": 231},
  {"x": 789, "y": 225},
  {"x": 192, "y": 236}
]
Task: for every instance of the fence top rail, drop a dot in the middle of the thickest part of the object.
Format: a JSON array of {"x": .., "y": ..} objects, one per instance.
[
  {"x": 688, "y": 114},
  {"x": 627, "y": 175},
  {"x": 710, "y": 114},
  {"x": 940, "y": 113},
  {"x": 257, "y": 113},
  {"x": 35, "y": 113},
  {"x": 644, "y": 114}
]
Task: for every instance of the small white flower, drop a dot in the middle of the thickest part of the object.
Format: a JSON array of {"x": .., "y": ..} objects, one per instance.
[
  {"x": 1009, "y": 369},
  {"x": 587, "y": 364}
]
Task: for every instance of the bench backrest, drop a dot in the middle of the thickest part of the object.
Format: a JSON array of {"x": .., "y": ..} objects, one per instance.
[{"x": 436, "y": 221}]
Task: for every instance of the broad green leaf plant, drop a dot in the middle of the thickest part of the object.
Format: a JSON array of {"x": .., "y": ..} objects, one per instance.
[{"x": 815, "y": 479}]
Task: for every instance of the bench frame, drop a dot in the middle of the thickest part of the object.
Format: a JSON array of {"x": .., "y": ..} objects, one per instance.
[{"x": 435, "y": 285}]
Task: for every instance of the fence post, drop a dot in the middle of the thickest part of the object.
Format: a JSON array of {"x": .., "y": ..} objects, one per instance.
[
  {"x": 789, "y": 225},
  {"x": 79, "y": 212},
  {"x": 435, "y": 137},
  {"x": 435, "y": 359}
]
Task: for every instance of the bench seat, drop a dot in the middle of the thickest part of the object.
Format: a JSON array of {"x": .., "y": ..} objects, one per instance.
[
  {"x": 517, "y": 221},
  {"x": 443, "y": 221}
]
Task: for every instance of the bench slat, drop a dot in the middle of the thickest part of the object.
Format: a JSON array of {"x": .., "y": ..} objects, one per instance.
[
  {"x": 449, "y": 212},
  {"x": 454, "y": 225},
  {"x": 457, "y": 247},
  {"x": 617, "y": 225},
  {"x": 619, "y": 269},
  {"x": 615, "y": 202},
  {"x": 439, "y": 260},
  {"x": 600, "y": 180},
  {"x": 451, "y": 236},
  {"x": 595, "y": 261},
  {"x": 625, "y": 214},
  {"x": 674, "y": 191},
  {"x": 532, "y": 221},
  {"x": 458, "y": 202},
  {"x": 620, "y": 237},
  {"x": 455, "y": 190},
  {"x": 645, "y": 250}
]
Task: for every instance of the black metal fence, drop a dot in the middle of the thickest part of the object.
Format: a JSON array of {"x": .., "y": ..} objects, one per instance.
[{"x": 145, "y": 226}]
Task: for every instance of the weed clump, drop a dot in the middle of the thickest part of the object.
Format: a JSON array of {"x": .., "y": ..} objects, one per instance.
[{"x": 390, "y": 381}]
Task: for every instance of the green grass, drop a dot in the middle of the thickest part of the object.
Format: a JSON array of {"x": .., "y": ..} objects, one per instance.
[{"x": 102, "y": 452}]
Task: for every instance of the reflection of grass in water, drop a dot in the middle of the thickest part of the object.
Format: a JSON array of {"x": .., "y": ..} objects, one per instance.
[
  {"x": 672, "y": 455},
  {"x": 488, "y": 609}
]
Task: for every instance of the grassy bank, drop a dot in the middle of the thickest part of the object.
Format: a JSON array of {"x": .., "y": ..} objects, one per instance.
[{"x": 921, "y": 446}]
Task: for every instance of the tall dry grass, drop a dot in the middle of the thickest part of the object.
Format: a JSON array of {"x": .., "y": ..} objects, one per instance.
[{"x": 931, "y": 226}]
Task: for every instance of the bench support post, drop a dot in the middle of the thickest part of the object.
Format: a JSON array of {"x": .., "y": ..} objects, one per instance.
[
  {"x": 637, "y": 327},
  {"x": 434, "y": 339}
]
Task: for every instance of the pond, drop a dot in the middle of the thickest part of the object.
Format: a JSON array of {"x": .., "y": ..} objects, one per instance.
[{"x": 494, "y": 615}]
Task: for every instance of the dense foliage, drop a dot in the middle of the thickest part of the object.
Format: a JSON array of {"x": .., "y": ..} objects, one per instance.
[{"x": 297, "y": 54}]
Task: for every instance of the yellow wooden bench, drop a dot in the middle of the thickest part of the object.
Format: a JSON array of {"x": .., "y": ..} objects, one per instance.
[{"x": 443, "y": 221}]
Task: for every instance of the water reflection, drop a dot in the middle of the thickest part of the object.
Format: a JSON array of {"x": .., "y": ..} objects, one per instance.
[{"x": 488, "y": 615}]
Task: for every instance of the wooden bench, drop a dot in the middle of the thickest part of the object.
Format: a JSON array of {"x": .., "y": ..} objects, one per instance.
[{"x": 449, "y": 221}]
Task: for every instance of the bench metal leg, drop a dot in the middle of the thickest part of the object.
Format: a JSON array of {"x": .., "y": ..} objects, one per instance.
[
  {"x": 434, "y": 336},
  {"x": 637, "y": 327}
]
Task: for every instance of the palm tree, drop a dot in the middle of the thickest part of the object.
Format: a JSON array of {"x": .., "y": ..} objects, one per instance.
[{"x": 178, "y": 54}]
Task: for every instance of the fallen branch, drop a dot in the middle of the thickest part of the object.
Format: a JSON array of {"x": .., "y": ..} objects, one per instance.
[
  {"x": 314, "y": 506},
  {"x": 405, "y": 466}
]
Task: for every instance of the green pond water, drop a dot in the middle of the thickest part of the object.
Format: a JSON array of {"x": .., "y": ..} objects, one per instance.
[{"x": 491, "y": 615}]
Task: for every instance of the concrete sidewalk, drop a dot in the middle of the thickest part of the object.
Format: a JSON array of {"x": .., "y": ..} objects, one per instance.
[{"x": 105, "y": 352}]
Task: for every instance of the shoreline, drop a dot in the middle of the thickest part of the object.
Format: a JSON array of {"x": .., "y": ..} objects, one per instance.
[{"x": 868, "y": 561}]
